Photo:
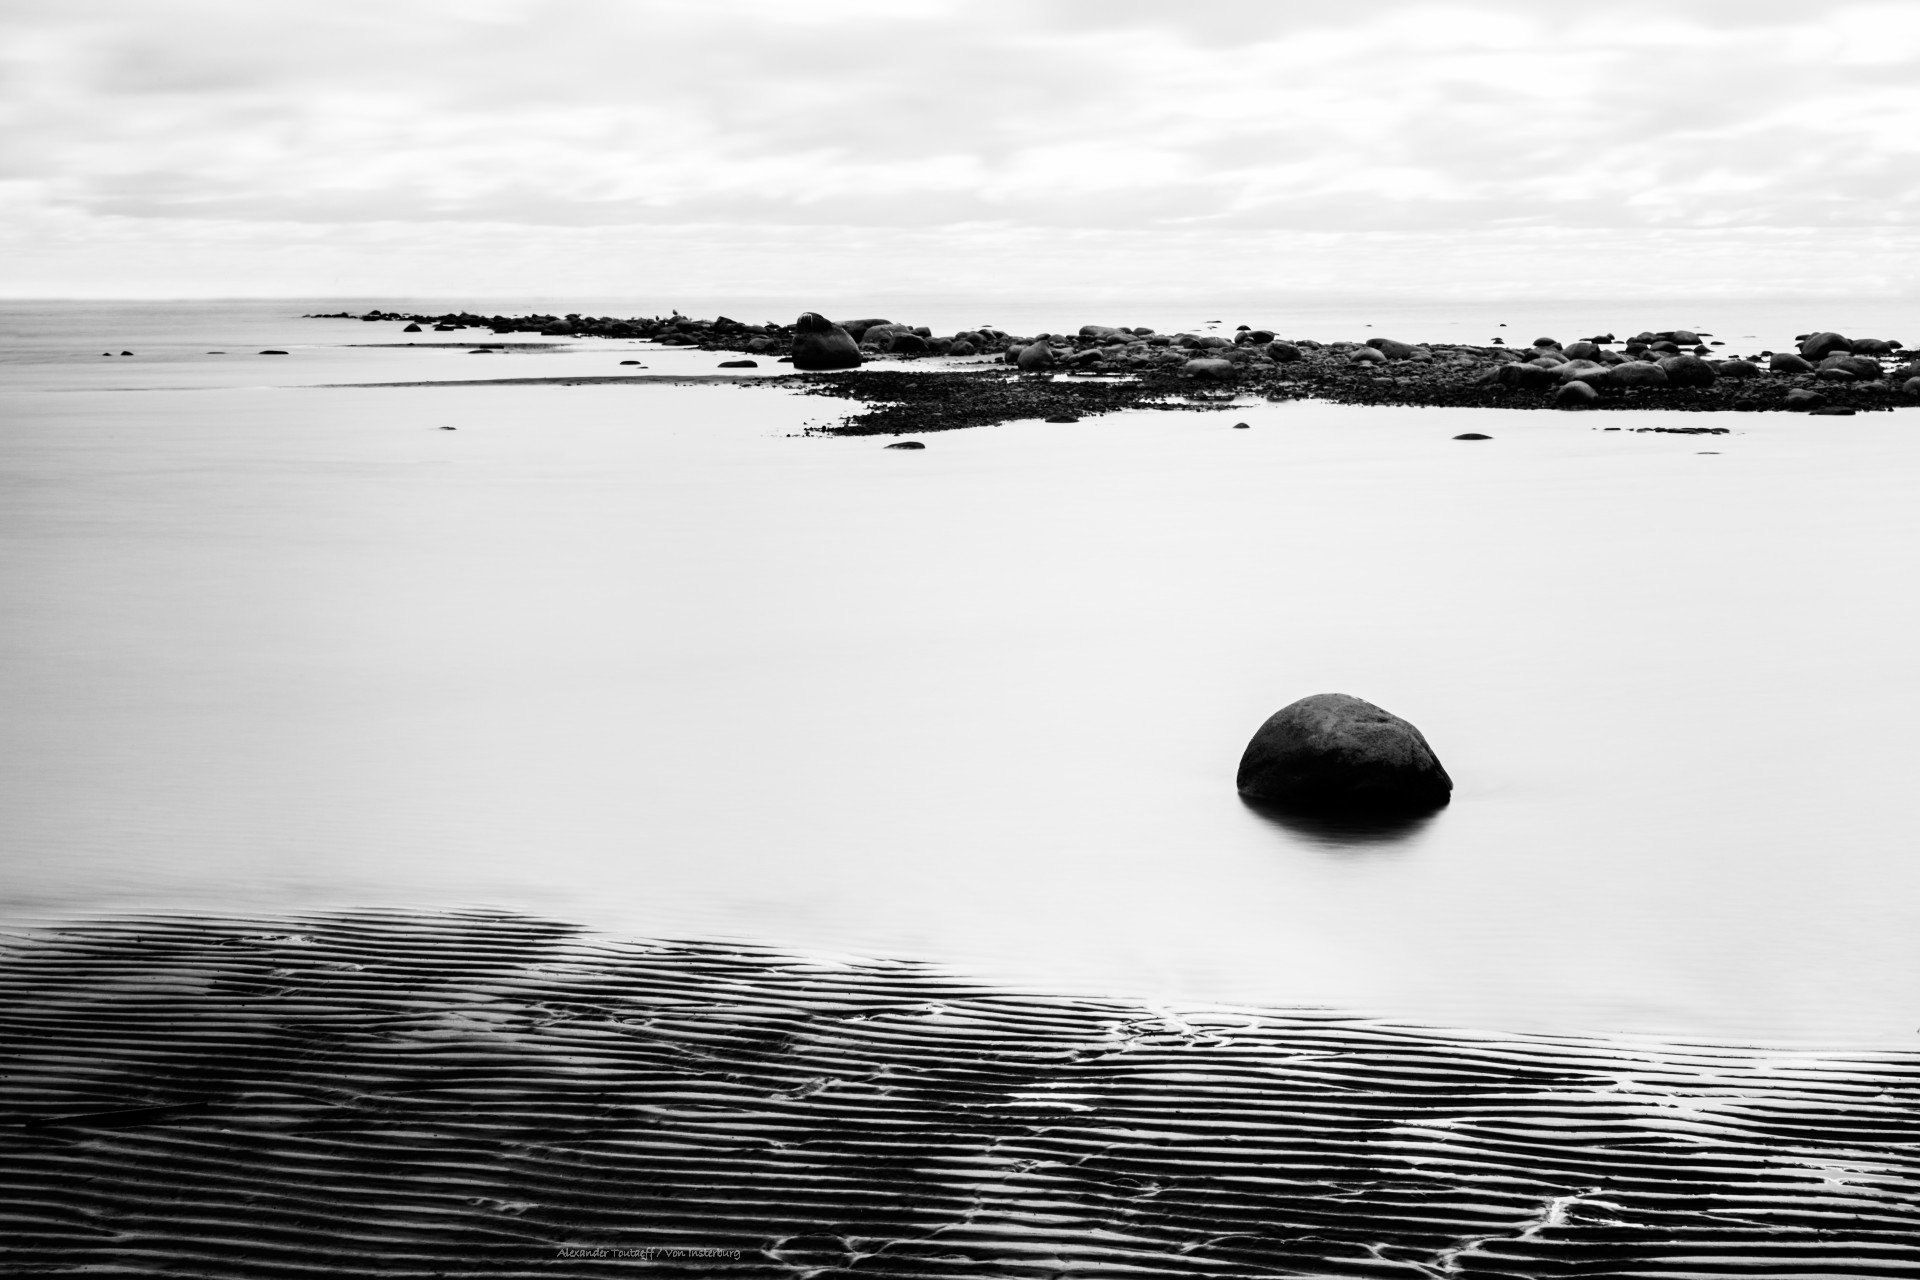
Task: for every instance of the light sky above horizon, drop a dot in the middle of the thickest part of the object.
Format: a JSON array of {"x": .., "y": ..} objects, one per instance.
[{"x": 1094, "y": 147}]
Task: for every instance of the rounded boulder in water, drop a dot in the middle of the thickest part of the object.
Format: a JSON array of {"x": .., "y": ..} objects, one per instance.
[
  {"x": 1639, "y": 373},
  {"x": 1334, "y": 753},
  {"x": 1818, "y": 346},
  {"x": 819, "y": 343},
  {"x": 1035, "y": 356},
  {"x": 1787, "y": 362}
]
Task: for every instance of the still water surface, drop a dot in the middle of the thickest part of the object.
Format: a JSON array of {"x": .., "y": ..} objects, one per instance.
[{"x": 648, "y": 658}]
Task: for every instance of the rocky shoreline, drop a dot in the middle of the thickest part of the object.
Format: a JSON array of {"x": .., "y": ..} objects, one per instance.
[{"x": 1102, "y": 368}]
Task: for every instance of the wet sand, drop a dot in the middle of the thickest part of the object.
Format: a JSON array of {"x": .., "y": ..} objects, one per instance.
[{"x": 478, "y": 1093}]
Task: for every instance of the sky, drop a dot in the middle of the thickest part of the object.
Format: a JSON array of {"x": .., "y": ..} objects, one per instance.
[{"x": 1045, "y": 148}]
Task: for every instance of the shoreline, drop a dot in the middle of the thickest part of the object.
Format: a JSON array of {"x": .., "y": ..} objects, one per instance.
[
  {"x": 1101, "y": 369},
  {"x": 460, "y": 1092}
]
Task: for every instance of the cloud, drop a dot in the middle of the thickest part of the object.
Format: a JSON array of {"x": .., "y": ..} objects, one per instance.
[{"x": 1047, "y": 116}]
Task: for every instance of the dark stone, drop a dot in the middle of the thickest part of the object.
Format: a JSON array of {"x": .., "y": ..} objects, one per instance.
[
  {"x": 1801, "y": 400},
  {"x": 1787, "y": 362},
  {"x": 1472, "y": 435},
  {"x": 1686, "y": 337},
  {"x": 819, "y": 343},
  {"x": 1545, "y": 343},
  {"x": 1574, "y": 395},
  {"x": 270, "y": 351},
  {"x": 1333, "y": 752},
  {"x": 1527, "y": 377},
  {"x": 1390, "y": 349},
  {"x": 1242, "y": 426},
  {"x": 629, "y": 362},
  {"x": 1688, "y": 371},
  {"x": 1872, "y": 347},
  {"x": 1816, "y": 346},
  {"x": 1063, "y": 417},
  {"x": 739, "y": 364},
  {"x": 1583, "y": 350},
  {"x": 906, "y": 444},
  {"x": 1035, "y": 356},
  {"x": 1911, "y": 387},
  {"x": 1638, "y": 373},
  {"x": 1204, "y": 368},
  {"x": 414, "y": 328},
  {"x": 128, "y": 353},
  {"x": 1282, "y": 352},
  {"x": 1739, "y": 369},
  {"x": 1830, "y": 411}
]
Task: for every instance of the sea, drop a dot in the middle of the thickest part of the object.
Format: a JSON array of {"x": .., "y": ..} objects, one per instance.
[{"x": 365, "y": 624}]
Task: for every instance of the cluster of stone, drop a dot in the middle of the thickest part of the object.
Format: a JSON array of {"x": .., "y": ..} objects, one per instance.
[{"x": 1673, "y": 368}]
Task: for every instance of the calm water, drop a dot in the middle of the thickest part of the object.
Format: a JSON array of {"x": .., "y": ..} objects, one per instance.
[{"x": 647, "y": 657}]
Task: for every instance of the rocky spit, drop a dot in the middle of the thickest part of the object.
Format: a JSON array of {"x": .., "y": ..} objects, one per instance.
[{"x": 1102, "y": 368}]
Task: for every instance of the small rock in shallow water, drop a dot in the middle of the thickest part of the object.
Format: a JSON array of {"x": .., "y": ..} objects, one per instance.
[
  {"x": 1802, "y": 400},
  {"x": 1472, "y": 435},
  {"x": 1787, "y": 362},
  {"x": 1334, "y": 752},
  {"x": 906, "y": 444},
  {"x": 1830, "y": 411},
  {"x": 1063, "y": 417},
  {"x": 631, "y": 362},
  {"x": 739, "y": 364},
  {"x": 1241, "y": 426},
  {"x": 270, "y": 351}
]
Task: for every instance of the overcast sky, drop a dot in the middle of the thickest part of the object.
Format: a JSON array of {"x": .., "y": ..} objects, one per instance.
[{"x": 623, "y": 147}]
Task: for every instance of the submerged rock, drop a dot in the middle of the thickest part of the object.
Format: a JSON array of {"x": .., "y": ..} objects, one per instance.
[
  {"x": 906, "y": 444},
  {"x": 1332, "y": 752},
  {"x": 819, "y": 343}
]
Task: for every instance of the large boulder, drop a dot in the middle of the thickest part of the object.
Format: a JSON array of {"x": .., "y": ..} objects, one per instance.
[
  {"x": 1035, "y": 356},
  {"x": 1817, "y": 346},
  {"x": 1787, "y": 362},
  {"x": 1575, "y": 395},
  {"x": 1202, "y": 367},
  {"x": 1526, "y": 376},
  {"x": 1688, "y": 371},
  {"x": 1639, "y": 373},
  {"x": 1335, "y": 753},
  {"x": 857, "y": 329}
]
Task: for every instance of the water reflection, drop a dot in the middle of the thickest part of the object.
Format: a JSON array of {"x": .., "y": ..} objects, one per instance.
[{"x": 1342, "y": 830}]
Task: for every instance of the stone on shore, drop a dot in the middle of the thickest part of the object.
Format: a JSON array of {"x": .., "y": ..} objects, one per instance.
[
  {"x": 1639, "y": 373},
  {"x": 1209, "y": 368},
  {"x": 1574, "y": 395},
  {"x": 819, "y": 343},
  {"x": 1035, "y": 356},
  {"x": 1787, "y": 362},
  {"x": 1688, "y": 371},
  {"x": 1332, "y": 752},
  {"x": 1817, "y": 346},
  {"x": 1739, "y": 369},
  {"x": 1803, "y": 401}
]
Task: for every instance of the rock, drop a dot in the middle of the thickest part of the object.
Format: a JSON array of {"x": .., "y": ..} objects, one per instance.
[
  {"x": 1872, "y": 347},
  {"x": 1583, "y": 350},
  {"x": 1688, "y": 371},
  {"x": 906, "y": 444},
  {"x": 739, "y": 364},
  {"x": 962, "y": 348},
  {"x": 1244, "y": 426},
  {"x": 1525, "y": 376},
  {"x": 1258, "y": 337},
  {"x": 1472, "y": 435},
  {"x": 1865, "y": 368},
  {"x": 270, "y": 351},
  {"x": 1803, "y": 401},
  {"x": 414, "y": 328},
  {"x": 1335, "y": 753},
  {"x": 1208, "y": 368},
  {"x": 1686, "y": 337},
  {"x": 1575, "y": 395},
  {"x": 1035, "y": 356},
  {"x": 1739, "y": 369},
  {"x": 909, "y": 344},
  {"x": 128, "y": 353},
  {"x": 1390, "y": 349},
  {"x": 1830, "y": 411},
  {"x": 1787, "y": 362},
  {"x": 1816, "y": 346},
  {"x": 819, "y": 343},
  {"x": 1546, "y": 343},
  {"x": 857, "y": 329},
  {"x": 1911, "y": 387},
  {"x": 1584, "y": 371},
  {"x": 1063, "y": 417},
  {"x": 630, "y": 362},
  {"x": 1830, "y": 374},
  {"x": 1366, "y": 355},
  {"x": 1639, "y": 373},
  {"x": 1282, "y": 352}
]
